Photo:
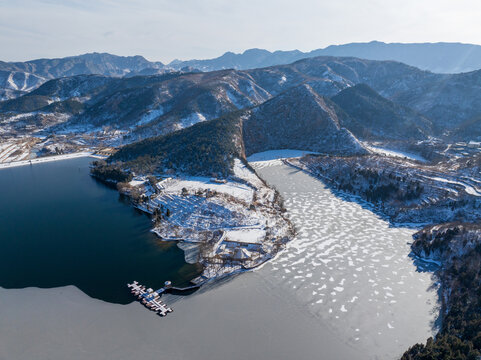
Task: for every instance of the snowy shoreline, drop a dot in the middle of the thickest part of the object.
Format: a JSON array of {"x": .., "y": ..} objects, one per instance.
[
  {"x": 49, "y": 159},
  {"x": 230, "y": 225},
  {"x": 281, "y": 298}
]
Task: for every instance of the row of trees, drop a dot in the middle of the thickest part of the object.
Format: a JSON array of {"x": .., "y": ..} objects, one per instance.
[{"x": 460, "y": 335}]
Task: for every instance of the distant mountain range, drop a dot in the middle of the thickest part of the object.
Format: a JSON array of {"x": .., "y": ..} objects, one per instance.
[
  {"x": 18, "y": 78},
  {"x": 435, "y": 57}
]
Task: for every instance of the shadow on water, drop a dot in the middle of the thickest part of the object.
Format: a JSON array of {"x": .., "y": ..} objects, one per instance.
[{"x": 423, "y": 266}]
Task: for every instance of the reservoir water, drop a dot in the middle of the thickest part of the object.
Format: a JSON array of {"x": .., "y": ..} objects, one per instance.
[
  {"x": 344, "y": 289},
  {"x": 59, "y": 226}
]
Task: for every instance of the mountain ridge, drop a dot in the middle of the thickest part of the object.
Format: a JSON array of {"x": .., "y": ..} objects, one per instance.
[
  {"x": 17, "y": 78},
  {"x": 156, "y": 104},
  {"x": 456, "y": 57}
]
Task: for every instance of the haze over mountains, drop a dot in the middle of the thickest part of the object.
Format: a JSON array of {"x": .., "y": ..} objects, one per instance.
[
  {"x": 17, "y": 78},
  {"x": 435, "y": 57}
]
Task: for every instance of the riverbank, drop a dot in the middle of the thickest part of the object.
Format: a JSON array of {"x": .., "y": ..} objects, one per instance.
[
  {"x": 45, "y": 159},
  {"x": 351, "y": 269},
  {"x": 231, "y": 225},
  {"x": 344, "y": 289}
]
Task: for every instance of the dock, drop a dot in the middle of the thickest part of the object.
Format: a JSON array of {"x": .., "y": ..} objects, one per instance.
[{"x": 151, "y": 298}]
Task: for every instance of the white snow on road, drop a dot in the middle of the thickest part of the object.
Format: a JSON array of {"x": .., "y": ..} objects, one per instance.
[
  {"x": 468, "y": 188},
  {"x": 46, "y": 159}
]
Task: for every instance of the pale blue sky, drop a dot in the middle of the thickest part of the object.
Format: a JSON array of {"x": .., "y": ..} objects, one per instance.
[{"x": 167, "y": 29}]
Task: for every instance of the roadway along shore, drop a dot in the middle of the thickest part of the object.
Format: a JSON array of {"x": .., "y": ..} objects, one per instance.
[{"x": 49, "y": 159}]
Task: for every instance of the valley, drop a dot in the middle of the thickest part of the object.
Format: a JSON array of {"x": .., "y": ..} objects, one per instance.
[{"x": 385, "y": 146}]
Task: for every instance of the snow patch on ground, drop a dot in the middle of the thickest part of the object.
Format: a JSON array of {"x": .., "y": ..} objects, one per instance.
[
  {"x": 151, "y": 115},
  {"x": 246, "y": 235},
  {"x": 195, "y": 183},
  {"x": 393, "y": 153},
  {"x": 137, "y": 181},
  {"x": 468, "y": 188},
  {"x": 192, "y": 119}
]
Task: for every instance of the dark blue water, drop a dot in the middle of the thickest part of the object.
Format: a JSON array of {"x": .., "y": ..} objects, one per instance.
[{"x": 59, "y": 226}]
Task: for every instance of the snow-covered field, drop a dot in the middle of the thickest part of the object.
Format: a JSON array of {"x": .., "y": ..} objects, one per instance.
[
  {"x": 190, "y": 214},
  {"x": 393, "y": 153},
  {"x": 229, "y": 209},
  {"x": 351, "y": 268},
  {"x": 253, "y": 234},
  {"x": 14, "y": 151},
  {"x": 193, "y": 184}
]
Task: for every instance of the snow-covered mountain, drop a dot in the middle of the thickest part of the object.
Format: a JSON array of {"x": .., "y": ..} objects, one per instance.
[
  {"x": 373, "y": 117},
  {"x": 435, "y": 57},
  {"x": 17, "y": 78},
  {"x": 93, "y": 63},
  {"x": 17, "y": 83},
  {"x": 157, "y": 104}
]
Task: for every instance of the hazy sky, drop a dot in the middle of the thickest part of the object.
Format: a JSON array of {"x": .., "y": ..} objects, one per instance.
[{"x": 185, "y": 29}]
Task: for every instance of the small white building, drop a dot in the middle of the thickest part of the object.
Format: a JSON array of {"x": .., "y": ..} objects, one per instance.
[{"x": 241, "y": 254}]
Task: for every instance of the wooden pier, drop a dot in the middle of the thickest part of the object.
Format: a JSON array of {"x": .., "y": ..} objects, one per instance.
[{"x": 150, "y": 298}]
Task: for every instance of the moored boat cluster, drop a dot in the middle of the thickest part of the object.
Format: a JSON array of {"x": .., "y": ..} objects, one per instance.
[{"x": 151, "y": 298}]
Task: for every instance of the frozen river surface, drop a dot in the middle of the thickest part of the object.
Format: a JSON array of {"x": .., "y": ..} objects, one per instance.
[
  {"x": 344, "y": 289},
  {"x": 351, "y": 269}
]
